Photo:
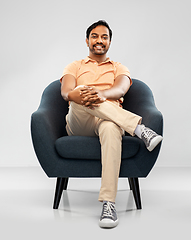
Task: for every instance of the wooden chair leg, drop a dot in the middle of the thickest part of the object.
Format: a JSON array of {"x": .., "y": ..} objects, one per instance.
[
  {"x": 61, "y": 185},
  {"x": 134, "y": 185}
]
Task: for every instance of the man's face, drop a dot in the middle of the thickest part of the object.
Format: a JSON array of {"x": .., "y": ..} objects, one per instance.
[{"x": 99, "y": 40}]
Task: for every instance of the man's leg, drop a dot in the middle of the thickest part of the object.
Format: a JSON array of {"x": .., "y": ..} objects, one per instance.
[
  {"x": 111, "y": 112},
  {"x": 130, "y": 122},
  {"x": 80, "y": 122},
  {"x": 110, "y": 136}
]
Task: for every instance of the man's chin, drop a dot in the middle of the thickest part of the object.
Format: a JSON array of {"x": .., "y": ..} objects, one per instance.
[{"x": 99, "y": 52}]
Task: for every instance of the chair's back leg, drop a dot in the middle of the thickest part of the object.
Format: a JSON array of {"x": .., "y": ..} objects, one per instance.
[
  {"x": 130, "y": 183},
  {"x": 65, "y": 184}
]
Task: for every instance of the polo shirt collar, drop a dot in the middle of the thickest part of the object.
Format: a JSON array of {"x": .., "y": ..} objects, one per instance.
[{"x": 87, "y": 59}]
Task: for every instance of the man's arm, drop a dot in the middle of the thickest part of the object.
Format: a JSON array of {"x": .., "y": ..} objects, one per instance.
[{"x": 68, "y": 84}]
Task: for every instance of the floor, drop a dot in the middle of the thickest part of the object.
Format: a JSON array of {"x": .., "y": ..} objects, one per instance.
[{"x": 26, "y": 213}]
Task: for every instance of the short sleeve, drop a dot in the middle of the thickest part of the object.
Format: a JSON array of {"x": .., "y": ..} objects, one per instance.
[
  {"x": 122, "y": 70},
  {"x": 70, "y": 69}
]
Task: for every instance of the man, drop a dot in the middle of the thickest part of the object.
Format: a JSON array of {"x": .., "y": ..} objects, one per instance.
[{"x": 94, "y": 87}]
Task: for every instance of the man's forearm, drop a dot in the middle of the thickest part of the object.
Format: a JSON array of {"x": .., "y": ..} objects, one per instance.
[
  {"x": 119, "y": 89},
  {"x": 113, "y": 93}
]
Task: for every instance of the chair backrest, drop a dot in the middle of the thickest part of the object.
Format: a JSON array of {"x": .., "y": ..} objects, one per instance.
[
  {"x": 54, "y": 105},
  {"x": 52, "y": 99},
  {"x": 138, "y": 98}
]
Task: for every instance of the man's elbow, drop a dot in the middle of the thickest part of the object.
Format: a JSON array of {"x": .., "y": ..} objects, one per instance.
[{"x": 64, "y": 95}]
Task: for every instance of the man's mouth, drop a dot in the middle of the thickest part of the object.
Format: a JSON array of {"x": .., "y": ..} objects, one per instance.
[{"x": 99, "y": 47}]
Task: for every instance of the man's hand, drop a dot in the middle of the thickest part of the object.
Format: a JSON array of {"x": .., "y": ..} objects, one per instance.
[
  {"x": 87, "y": 96},
  {"x": 92, "y": 97},
  {"x": 76, "y": 95}
]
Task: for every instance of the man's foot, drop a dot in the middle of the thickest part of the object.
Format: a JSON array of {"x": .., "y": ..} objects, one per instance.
[
  {"x": 150, "y": 138},
  {"x": 108, "y": 217}
]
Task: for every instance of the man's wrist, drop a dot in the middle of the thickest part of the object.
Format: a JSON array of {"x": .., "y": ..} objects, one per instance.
[
  {"x": 103, "y": 95},
  {"x": 69, "y": 96}
]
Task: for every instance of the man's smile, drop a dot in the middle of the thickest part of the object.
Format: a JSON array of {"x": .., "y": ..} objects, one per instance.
[{"x": 99, "y": 46}]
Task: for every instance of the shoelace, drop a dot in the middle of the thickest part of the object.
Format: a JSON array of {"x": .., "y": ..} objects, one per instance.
[
  {"x": 108, "y": 209},
  {"x": 147, "y": 133}
]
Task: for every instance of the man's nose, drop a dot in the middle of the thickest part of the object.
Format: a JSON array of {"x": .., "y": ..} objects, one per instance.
[{"x": 99, "y": 40}]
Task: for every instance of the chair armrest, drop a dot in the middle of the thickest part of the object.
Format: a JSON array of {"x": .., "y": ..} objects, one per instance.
[
  {"x": 46, "y": 128},
  {"x": 44, "y": 123}
]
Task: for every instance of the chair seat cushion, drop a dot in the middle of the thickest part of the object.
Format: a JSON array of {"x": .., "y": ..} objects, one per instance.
[{"x": 81, "y": 147}]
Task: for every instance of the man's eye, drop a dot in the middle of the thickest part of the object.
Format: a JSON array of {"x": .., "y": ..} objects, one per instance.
[{"x": 94, "y": 36}]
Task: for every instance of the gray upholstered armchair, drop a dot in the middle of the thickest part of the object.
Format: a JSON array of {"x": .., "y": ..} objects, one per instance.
[{"x": 63, "y": 156}]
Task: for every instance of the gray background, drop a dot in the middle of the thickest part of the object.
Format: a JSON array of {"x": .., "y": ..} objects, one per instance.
[{"x": 40, "y": 37}]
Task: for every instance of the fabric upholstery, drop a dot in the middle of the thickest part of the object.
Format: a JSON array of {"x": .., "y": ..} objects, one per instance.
[{"x": 79, "y": 147}]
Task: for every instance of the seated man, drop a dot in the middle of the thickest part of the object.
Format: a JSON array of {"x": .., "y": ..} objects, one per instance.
[{"x": 95, "y": 87}]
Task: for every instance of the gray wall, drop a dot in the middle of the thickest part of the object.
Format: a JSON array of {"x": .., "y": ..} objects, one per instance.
[{"x": 40, "y": 37}]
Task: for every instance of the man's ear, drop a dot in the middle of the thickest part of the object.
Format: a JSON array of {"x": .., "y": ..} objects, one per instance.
[{"x": 87, "y": 42}]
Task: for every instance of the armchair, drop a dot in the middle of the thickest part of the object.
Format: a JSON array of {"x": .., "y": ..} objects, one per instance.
[{"x": 63, "y": 157}]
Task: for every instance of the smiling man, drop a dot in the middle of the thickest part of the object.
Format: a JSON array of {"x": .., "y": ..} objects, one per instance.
[
  {"x": 99, "y": 41},
  {"x": 95, "y": 87}
]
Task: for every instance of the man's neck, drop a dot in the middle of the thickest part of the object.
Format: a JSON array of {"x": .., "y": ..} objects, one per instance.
[{"x": 98, "y": 58}]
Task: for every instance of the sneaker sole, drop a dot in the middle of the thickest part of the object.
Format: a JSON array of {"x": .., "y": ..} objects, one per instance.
[
  {"x": 154, "y": 142},
  {"x": 107, "y": 223}
]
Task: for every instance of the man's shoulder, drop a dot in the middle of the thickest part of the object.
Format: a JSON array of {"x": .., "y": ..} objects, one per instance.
[
  {"x": 74, "y": 64},
  {"x": 118, "y": 65},
  {"x": 77, "y": 62},
  {"x": 120, "y": 68}
]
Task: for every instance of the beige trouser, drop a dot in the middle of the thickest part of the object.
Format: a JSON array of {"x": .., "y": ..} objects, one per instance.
[{"x": 107, "y": 121}]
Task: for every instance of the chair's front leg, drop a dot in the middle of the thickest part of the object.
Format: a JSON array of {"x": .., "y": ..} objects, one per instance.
[
  {"x": 61, "y": 185},
  {"x": 134, "y": 186}
]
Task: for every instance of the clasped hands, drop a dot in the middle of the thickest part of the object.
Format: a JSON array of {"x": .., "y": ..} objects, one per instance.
[{"x": 88, "y": 96}]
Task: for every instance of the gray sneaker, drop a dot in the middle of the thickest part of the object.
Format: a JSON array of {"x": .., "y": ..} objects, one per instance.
[
  {"x": 108, "y": 217},
  {"x": 150, "y": 138}
]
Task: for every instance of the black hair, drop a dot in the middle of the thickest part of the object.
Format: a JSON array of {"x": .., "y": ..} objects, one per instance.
[{"x": 99, "y": 23}]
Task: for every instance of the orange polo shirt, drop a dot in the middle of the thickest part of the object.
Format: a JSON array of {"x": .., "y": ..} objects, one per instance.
[{"x": 88, "y": 72}]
